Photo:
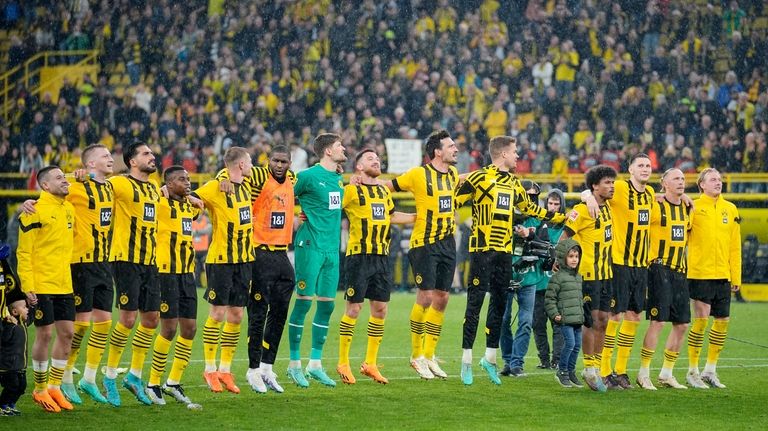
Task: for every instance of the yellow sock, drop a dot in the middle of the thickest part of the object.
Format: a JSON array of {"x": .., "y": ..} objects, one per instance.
[
  {"x": 142, "y": 341},
  {"x": 625, "y": 341},
  {"x": 375, "y": 334},
  {"x": 646, "y": 355},
  {"x": 80, "y": 328},
  {"x": 57, "y": 372},
  {"x": 597, "y": 361},
  {"x": 230, "y": 334},
  {"x": 670, "y": 358},
  {"x": 418, "y": 317},
  {"x": 181, "y": 356},
  {"x": 432, "y": 329},
  {"x": 159, "y": 358},
  {"x": 716, "y": 341},
  {"x": 346, "y": 331},
  {"x": 211, "y": 332},
  {"x": 117, "y": 344},
  {"x": 587, "y": 360},
  {"x": 696, "y": 341},
  {"x": 41, "y": 375},
  {"x": 97, "y": 342},
  {"x": 608, "y": 345}
]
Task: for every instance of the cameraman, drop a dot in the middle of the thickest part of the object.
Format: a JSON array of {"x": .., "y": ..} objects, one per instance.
[{"x": 531, "y": 283}]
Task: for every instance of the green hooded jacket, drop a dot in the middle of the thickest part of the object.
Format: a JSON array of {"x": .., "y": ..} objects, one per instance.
[{"x": 564, "y": 296}]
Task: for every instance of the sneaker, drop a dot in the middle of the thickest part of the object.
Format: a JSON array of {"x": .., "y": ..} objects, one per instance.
[
  {"x": 490, "y": 368},
  {"x": 297, "y": 376},
  {"x": 611, "y": 383},
  {"x": 623, "y": 381},
  {"x": 554, "y": 364},
  {"x": 212, "y": 379},
  {"x": 645, "y": 383},
  {"x": 345, "y": 373},
  {"x": 600, "y": 384},
  {"x": 228, "y": 380},
  {"x": 44, "y": 400},
  {"x": 60, "y": 399},
  {"x": 712, "y": 380},
  {"x": 563, "y": 378},
  {"x": 670, "y": 382},
  {"x": 155, "y": 394},
  {"x": 320, "y": 375},
  {"x": 110, "y": 389},
  {"x": 422, "y": 368},
  {"x": 543, "y": 365},
  {"x": 253, "y": 376},
  {"x": 434, "y": 367},
  {"x": 590, "y": 379},
  {"x": 506, "y": 371},
  {"x": 270, "y": 379},
  {"x": 136, "y": 386},
  {"x": 177, "y": 392},
  {"x": 70, "y": 392},
  {"x": 466, "y": 374},
  {"x": 575, "y": 382},
  {"x": 517, "y": 372},
  {"x": 372, "y": 371},
  {"x": 13, "y": 411},
  {"x": 694, "y": 380},
  {"x": 92, "y": 390}
]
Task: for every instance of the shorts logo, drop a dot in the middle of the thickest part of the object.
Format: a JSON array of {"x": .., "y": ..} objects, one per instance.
[
  {"x": 654, "y": 312},
  {"x": 257, "y": 297},
  {"x": 38, "y": 314},
  {"x": 10, "y": 282},
  {"x": 302, "y": 284},
  {"x": 476, "y": 281},
  {"x": 123, "y": 299},
  {"x": 587, "y": 298},
  {"x": 613, "y": 303},
  {"x": 350, "y": 292},
  {"x": 419, "y": 279},
  {"x": 211, "y": 295},
  {"x": 78, "y": 300},
  {"x": 164, "y": 307}
]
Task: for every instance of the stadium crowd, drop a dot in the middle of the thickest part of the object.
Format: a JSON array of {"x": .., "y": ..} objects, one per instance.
[{"x": 578, "y": 82}]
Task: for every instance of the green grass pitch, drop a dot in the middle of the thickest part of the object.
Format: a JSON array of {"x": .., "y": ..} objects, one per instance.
[{"x": 533, "y": 402}]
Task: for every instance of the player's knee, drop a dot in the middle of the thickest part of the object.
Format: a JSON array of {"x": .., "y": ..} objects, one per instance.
[
  {"x": 353, "y": 311},
  {"x": 168, "y": 332},
  {"x": 150, "y": 320},
  {"x": 188, "y": 332}
]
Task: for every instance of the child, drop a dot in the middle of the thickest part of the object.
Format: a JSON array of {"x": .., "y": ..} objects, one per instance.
[
  {"x": 563, "y": 302},
  {"x": 13, "y": 353}
]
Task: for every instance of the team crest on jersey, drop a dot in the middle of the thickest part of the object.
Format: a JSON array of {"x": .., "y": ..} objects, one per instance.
[
  {"x": 419, "y": 279},
  {"x": 211, "y": 295},
  {"x": 123, "y": 299},
  {"x": 302, "y": 284},
  {"x": 724, "y": 214},
  {"x": 78, "y": 300},
  {"x": 350, "y": 292},
  {"x": 164, "y": 307},
  {"x": 257, "y": 297},
  {"x": 38, "y": 314},
  {"x": 341, "y": 184},
  {"x": 654, "y": 311},
  {"x": 573, "y": 215},
  {"x": 476, "y": 281}
]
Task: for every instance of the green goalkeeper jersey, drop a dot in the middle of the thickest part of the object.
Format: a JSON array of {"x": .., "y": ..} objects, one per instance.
[{"x": 320, "y": 194}]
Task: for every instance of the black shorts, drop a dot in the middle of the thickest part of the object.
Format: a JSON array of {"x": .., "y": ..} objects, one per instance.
[
  {"x": 668, "y": 298},
  {"x": 178, "y": 296},
  {"x": 367, "y": 276},
  {"x": 629, "y": 289},
  {"x": 136, "y": 287},
  {"x": 54, "y": 308},
  {"x": 489, "y": 270},
  {"x": 596, "y": 296},
  {"x": 716, "y": 293},
  {"x": 228, "y": 283},
  {"x": 433, "y": 264},
  {"x": 92, "y": 283}
]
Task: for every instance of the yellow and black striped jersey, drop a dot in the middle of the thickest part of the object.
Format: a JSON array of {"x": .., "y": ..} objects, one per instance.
[
  {"x": 369, "y": 209},
  {"x": 134, "y": 228},
  {"x": 93, "y": 202},
  {"x": 175, "y": 243},
  {"x": 632, "y": 224},
  {"x": 495, "y": 194},
  {"x": 434, "y": 194},
  {"x": 595, "y": 236},
  {"x": 670, "y": 224},
  {"x": 231, "y": 218}
]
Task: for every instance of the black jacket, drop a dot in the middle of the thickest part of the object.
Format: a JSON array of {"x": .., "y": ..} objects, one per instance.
[{"x": 13, "y": 346}]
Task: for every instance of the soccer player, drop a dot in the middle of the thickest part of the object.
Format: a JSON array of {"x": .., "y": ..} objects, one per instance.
[
  {"x": 370, "y": 210},
  {"x": 668, "y": 298},
  {"x": 134, "y": 237},
  {"x": 228, "y": 266},
  {"x": 432, "y": 253},
  {"x": 714, "y": 271},
  {"x": 631, "y": 207},
  {"x": 320, "y": 191},
  {"x": 273, "y": 275},
  {"x": 595, "y": 236},
  {"x": 44, "y": 238},
  {"x": 495, "y": 193},
  {"x": 178, "y": 295}
]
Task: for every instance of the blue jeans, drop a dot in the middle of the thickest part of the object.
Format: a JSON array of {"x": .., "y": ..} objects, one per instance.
[
  {"x": 514, "y": 348},
  {"x": 571, "y": 347}
]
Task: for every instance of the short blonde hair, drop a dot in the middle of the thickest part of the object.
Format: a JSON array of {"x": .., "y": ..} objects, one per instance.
[{"x": 703, "y": 175}]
